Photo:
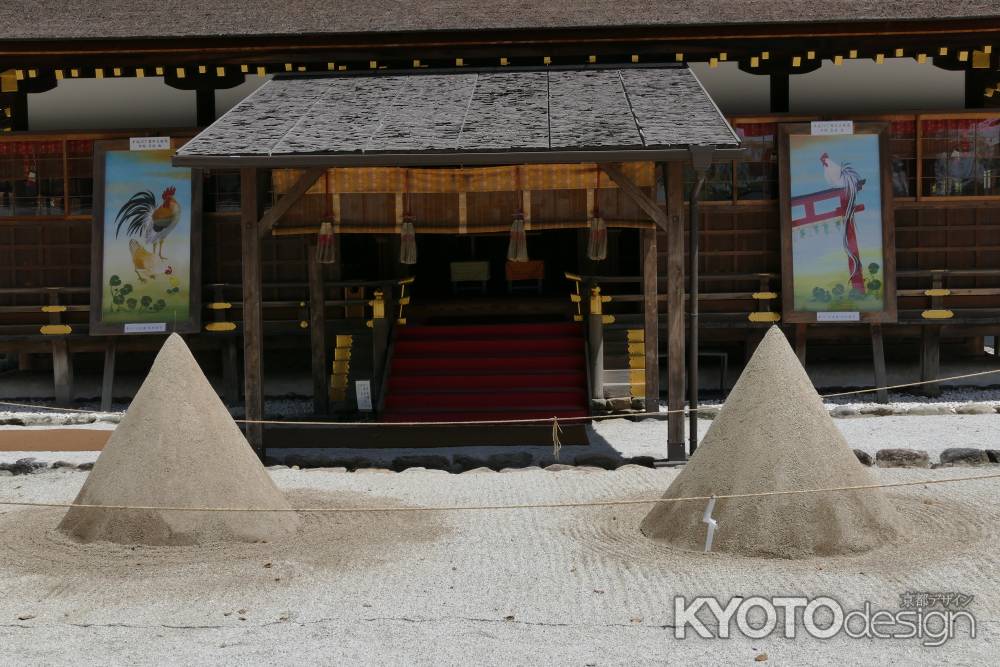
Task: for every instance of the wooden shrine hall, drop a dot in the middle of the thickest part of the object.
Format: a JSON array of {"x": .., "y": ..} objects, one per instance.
[{"x": 480, "y": 206}]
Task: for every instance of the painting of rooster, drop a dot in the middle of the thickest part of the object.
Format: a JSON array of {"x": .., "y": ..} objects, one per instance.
[
  {"x": 147, "y": 220},
  {"x": 149, "y": 270}
]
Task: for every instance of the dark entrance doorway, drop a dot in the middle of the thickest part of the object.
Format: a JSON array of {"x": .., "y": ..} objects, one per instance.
[{"x": 467, "y": 278}]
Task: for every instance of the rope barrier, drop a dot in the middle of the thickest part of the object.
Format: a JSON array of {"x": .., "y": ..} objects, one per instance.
[
  {"x": 537, "y": 420},
  {"x": 463, "y": 508}
]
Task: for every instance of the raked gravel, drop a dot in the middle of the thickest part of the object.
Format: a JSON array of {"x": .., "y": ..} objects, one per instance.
[{"x": 537, "y": 586}]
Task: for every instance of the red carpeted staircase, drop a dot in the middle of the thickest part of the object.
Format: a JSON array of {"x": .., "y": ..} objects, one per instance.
[{"x": 483, "y": 372}]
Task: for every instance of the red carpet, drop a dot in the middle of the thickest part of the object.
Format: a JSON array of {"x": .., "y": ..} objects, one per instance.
[{"x": 487, "y": 372}]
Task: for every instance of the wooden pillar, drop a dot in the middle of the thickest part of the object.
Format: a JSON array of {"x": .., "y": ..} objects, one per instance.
[
  {"x": 930, "y": 358},
  {"x": 801, "y": 334},
  {"x": 62, "y": 358},
  {"x": 62, "y": 371},
  {"x": 595, "y": 341},
  {"x": 650, "y": 311},
  {"x": 673, "y": 177},
  {"x": 317, "y": 332},
  {"x": 18, "y": 111},
  {"x": 205, "y": 103},
  {"x": 878, "y": 359},
  {"x": 108, "y": 379},
  {"x": 780, "y": 92},
  {"x": 976, "y": 83},
  {"x": 253, "y": 379}
]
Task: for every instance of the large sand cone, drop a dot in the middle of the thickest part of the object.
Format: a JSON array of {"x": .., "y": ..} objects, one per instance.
[
  {"x": 178, "y": 446},
  {"x": 774, "y": 434}
]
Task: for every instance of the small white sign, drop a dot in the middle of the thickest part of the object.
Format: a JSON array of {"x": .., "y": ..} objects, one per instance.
[
  {"x": 845, "y": 316},
  {"x": 363, "y": 389},
  {"x": 146, "y": 327},
  {"x": 832, "y": 127},
  {"x": 149, "y": 143}
]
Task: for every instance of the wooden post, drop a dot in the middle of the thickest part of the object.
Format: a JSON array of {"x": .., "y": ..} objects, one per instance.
[
  {"x": 878, "y": 357},
  {"x": 381, "y": 313},
  {"x": 673, "y": 178},
  {"x": 317, "y": 331},
  {"x": 595, "y": 334},
  {"x": 205, "y": 104},
  {"x": 62, "y": 358},
  {"x": 801, "y": 334},
  {"x": 108, "y": 379},
  {"x": 651, "y": 316},
  {"x": 780, "y": 92},
  {"x": 930, "y": 341},
  {"x": 930, "y": 358},
  {"x": 253, "y": 379}
]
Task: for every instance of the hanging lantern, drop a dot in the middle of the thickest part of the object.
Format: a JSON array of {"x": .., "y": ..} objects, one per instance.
[
  {"x": 325, "y": 251},
  {"x": 324, "y": 244},
  {"x": 597, "y": 241},
  {"x": 407, "y": 242},
  {"x": 517, "y": 250}
]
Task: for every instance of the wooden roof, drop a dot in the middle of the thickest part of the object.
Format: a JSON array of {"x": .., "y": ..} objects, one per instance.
[
  {"x": 489, "y": 117},
  {"x": 157, "y": 19}
]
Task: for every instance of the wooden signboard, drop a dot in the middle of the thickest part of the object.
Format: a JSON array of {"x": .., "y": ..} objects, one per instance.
[
  {"x": 146, "y": 262},
  {"x": 838, "y": 253}
]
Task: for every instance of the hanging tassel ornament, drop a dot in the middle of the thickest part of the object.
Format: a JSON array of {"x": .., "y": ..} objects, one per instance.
[
  {"x": 324, "y": 244},
  {"x": 407, "y": 242},
  {"x": 517, "y": 250},
  {"x": 597, "y": 241},
  {"x": 325, "y": 251},
  {"x": 407, "y": 233}
]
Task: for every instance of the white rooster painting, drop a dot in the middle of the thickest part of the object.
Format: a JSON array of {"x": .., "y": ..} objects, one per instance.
[
  {"x": 837, "y": 252},
  {"x": 147, "y": 238}
]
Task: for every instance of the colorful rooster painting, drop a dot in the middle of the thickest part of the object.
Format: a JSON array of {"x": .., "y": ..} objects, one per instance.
[{"x": 148, "y": 221}]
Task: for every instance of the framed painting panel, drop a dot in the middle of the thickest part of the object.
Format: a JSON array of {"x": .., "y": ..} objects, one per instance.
[
  {"x": 838, "y": 252},
  {"x": 146, "y": 240}
]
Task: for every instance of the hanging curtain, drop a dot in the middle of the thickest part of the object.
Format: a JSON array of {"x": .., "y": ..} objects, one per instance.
[
  {"x": 597, "y": 241},
  {"x": 325, "y": 250},
  {"x": 407, "y": 233},
  {"x": 517, "y": 250}
]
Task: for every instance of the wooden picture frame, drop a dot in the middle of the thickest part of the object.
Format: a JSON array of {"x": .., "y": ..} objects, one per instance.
[
  {"x": 830, "y": 297},
  {"x": 141, "y": 292}
]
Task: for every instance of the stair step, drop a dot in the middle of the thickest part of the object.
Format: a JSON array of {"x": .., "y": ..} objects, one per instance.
[
  {"x": 457, "y": 346},
  {"x": 422, "y": 415},
  {"x": 457, "y": 381},
  {"x": 489, "y": 331},
  {"x": 573, "y": 398},
  {"x": 478, "y": 364}
]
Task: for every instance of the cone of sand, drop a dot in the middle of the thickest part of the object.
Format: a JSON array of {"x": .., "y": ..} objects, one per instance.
[
  {"x": 178, "y": 446},
  {"x": 774, "y": 434}
]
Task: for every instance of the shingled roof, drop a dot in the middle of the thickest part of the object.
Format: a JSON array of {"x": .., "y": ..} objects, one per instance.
[
  {"x": 156, "y": 19},
  {"x": 465, "y": 118}
]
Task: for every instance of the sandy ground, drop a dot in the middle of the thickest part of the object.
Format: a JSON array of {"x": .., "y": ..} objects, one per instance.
[{"x": 558, "y": 586}]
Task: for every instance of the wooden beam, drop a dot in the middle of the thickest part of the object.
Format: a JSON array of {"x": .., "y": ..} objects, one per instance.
[
  {"x": 632, "y": 191},
  {"x": 253, "y": 379},
  {"x": 674, "y": 179},
  {"x": 317, "y": 332},
  {"x": 283, "y": 205},
  {"x": 650, "y": 318}
]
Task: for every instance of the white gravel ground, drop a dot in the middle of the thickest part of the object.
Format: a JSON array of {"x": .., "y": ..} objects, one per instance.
[{"x": 541, "y": 586}]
